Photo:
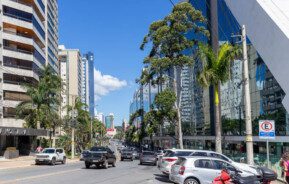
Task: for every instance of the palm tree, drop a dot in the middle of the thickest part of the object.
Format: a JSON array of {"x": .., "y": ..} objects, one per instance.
[
  {"x": 43, "y": 102},
  {"x": 216, "y": 71}
]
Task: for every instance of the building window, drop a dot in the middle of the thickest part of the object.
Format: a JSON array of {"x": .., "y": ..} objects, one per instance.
[
  {"x": 9, "y": 112},
  {"x": 15, "y": 96}
]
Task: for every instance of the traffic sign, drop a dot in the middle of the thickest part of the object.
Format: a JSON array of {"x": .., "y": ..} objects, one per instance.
[{"x": 267, "y": 129}]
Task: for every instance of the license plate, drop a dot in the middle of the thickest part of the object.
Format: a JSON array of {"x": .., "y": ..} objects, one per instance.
[
  {"x": 95, "y": 161},
  {"x": 40, "y": 160}
]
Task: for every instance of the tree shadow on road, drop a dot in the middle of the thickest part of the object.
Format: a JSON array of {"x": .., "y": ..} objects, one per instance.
[{"x": 162, "y": 178}]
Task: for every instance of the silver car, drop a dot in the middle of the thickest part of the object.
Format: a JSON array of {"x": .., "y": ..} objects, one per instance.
[
  {"x": 199, "y": 170},
  {"x": 148, "y": 157}
]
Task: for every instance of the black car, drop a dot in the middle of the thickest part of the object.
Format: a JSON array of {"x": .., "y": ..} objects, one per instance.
[
  {"x": 99, "y": 156},
  {"x": 126, "y": 154}
]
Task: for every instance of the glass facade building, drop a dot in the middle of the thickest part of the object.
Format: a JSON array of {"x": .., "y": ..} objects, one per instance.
[{"x": 90, "y": 59}]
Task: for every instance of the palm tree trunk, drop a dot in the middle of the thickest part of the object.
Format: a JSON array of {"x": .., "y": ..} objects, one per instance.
[{"x": 218, "y": 130}]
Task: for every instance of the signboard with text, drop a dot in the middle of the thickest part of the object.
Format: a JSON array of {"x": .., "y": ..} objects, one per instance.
[{"x": 267, "y": 129}]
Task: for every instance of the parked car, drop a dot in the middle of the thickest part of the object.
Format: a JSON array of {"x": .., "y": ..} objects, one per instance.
[
  {"x": 241, "y": 166},
  {"x": 148, "y": 157},
  {"x": 126, "y": 154},
  {"x": 200, "y": 170},
  {"x": 99, "y": 156},
  {"x": 135, "y": 154},
  {"x": 51, "y": 156},
  {"x": 170, "y": 157}
]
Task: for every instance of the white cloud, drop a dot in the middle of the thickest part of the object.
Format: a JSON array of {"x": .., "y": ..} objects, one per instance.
[{"x": 103, "y": 84}]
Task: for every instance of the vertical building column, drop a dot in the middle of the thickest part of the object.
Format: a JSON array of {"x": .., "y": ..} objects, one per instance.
[{"x": 1, "y": 64}]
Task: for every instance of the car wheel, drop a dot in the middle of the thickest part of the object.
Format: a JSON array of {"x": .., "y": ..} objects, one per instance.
[
  {"x": 87, "y": 165},
  {"x": 121, "y": 159},
  {"x": 64, "y": 160},
  {"x": 36, "y": 163},
  {"x": 191, "y": 181},
  {"x": 131, "y": 159},
  {"x": 140, "y": 163},
  {"x": 114, "y": 163},
  {"x": 105, "y": 164},
  {"x": 53, "y": 161}
]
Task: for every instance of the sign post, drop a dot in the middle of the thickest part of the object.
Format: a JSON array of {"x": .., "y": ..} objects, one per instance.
[{"x": 267, "y": 131}]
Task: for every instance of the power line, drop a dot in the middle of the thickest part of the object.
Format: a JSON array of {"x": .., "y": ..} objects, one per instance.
[{"x": 172, "y": 2}]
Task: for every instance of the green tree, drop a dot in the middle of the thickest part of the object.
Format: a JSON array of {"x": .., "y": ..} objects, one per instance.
[
  {"x": 169, "y": 43},
  {"x": 43, "y": 103},
  {"x": 216, "y": 71}
]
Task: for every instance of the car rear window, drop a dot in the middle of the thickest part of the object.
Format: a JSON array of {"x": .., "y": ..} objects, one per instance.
[
  {"x": 98, "y": 149},
  {"x": 181, "y": 161},
  {"x": 148, "y": 153},
  {"x": 179, "y": 153}
]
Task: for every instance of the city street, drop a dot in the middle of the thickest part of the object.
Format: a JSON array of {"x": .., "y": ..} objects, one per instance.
[{"x": 124, "y": 173}]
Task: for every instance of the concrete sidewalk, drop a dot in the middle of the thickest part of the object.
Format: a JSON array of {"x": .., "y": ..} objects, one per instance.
[{"x": 26, "y": 161}]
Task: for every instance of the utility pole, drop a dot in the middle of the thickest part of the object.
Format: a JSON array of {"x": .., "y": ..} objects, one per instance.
[
  {"x": 249, "y": 138},
  {"x": 73, "y": 122},
  {"x": 72, "y": 143},
  {"x": 91, "y": 120}
]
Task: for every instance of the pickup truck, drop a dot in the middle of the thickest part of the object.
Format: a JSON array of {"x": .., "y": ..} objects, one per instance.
[{"x": 99, "y": 156}]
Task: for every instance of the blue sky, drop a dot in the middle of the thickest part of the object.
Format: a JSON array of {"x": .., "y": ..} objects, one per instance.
[{"x": 113, "y": 31}]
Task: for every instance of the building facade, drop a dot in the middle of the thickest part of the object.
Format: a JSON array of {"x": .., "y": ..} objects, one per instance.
[
  {"x": 71, "y": 74},
  {"x": 267, "y": 86},
  {"x": 51, "y": 37},
  {"x": 90, "y": 59},
  {"x": 109, "y": 121},
  {"x": 23, "y": 53},
  {"x": 85, "y": 83}
]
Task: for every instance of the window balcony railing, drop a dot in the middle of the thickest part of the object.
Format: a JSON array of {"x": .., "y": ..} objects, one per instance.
[
  {"x": 18, "y": 34},
  {"x": 17, "y": 17},
  {"x": 41, "y": 5},
  {"x": 18, "y": 50}
]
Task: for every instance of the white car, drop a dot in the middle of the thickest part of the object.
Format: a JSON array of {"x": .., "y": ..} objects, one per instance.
[
  {"x": 51, "y": 156},
  {"x": 201, "y": 170},
  {"x": 170, "y": 157},
  {"x": 240, "y": 166}
]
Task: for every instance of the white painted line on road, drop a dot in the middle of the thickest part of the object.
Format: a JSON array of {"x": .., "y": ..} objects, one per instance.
[{"x": 39, "y": 176}]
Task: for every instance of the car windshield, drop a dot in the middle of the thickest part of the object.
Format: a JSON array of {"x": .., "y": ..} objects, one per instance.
[
  {"x": 49, "y": 151},
  {"x": 98, "y": 149}
]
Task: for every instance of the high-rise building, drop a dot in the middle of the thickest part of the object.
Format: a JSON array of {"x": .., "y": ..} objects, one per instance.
[
  {"x": 71, "y": 74},
  {"x": 23, "y": 53},
  {"x": 85, "y": 83},
  {"x": 109, "y": 121},
  {"x": 51, "y": 37},
  {"x": 90, "y": 59},
  {"x": 267, "y": 43},
  {"x": 100, "y": 116}
]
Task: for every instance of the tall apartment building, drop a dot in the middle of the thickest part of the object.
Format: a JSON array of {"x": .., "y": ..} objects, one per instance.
[
  {"x": 23, "y": 53},
  {"x": 71, "y": 74},
  {"x": 109, "y": 121},
  {"x": 51, "y": 39},
  {"x": 85, "y": 83},
  {"x": 90, "y": 59}
]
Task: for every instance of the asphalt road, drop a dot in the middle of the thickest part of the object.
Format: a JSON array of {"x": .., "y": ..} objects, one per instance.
[{"x": 126, "y": 172}]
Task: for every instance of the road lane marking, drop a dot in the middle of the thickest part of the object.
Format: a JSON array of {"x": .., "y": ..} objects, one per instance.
[{"x": 39, "y": 176}]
